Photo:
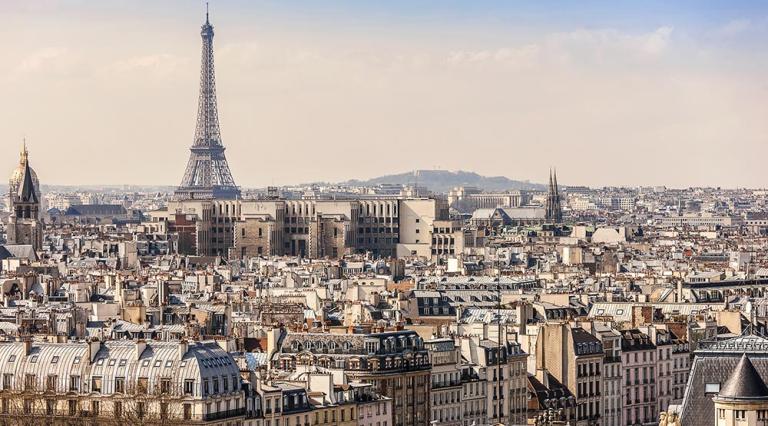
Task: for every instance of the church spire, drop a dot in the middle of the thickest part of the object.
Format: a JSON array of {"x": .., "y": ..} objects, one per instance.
[
  {"x": 551, "y": 185},
  {"x": 553, "y": 211},
  {"x": 27, "y": 192},
  {"x": 554, "y": 179},
  {"x": 24, "y": 155}
]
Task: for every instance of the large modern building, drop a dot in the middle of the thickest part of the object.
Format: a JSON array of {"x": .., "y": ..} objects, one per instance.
[{"x": 317, "y": 228}]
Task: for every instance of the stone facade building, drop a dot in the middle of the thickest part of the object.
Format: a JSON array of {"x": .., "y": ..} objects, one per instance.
[
  {"x": 120, "y": 381},
  {"x": 317, "y": 228},
  {"x": 24, "y": 225},
  {"x": 396, "y": 363},
  {"x": 575, "y": 358}
]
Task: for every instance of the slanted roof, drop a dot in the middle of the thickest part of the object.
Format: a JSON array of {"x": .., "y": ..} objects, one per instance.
[
  {"x": 95, "y": 210},
  {"x": 714, "y": 363},
  {"x": 27, "y": 193},
  {"x": 745, "y": 382},
  {"x": 18, "y": 251}
]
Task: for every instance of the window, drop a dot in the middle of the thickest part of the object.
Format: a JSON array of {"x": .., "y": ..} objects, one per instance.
[
  {"x": 140, "y": 409},
  {"x": 165, "y": 385},
  {"x": 142, "y": 385},
  {"x": 96, "y": 384},
  {"x": 56, "y": 359},
  {"x": 95, "y": 408},
  {"x": 74, "y": 383},
  {"x": 187, "y": 411},
  {"x": 51, "y": 384},
  {"x": 189, "y": 386},
  {"x": 112, "y": 362},
  {"x": 712, "y": 388},
  {"x": 118, "y": 409},
  {"x": 120, "y": 384},
  {"x": 72, "y": 407},
  {"x": 7, "y": 380},
  {"x": 740, "y": 414}
]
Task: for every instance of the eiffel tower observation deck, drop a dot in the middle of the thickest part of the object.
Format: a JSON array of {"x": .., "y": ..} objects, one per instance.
[{"x": 207, "y": 175}]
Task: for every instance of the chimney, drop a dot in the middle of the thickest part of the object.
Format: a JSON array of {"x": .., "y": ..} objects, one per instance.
[
  {"x": 93, "y": 348},
  {"x": 141, "y": 345},
  {"x": 61, "y": 338},
  {"x": 542, "y": 376},
  {"x": 183, "y": 348},
  {"x": 27, "y": 345}
]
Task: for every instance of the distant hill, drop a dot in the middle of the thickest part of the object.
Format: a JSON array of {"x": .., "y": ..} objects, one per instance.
[{"x": 444, "y": 180}]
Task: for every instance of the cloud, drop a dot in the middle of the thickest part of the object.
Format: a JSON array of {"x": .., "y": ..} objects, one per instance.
[
  {"x": 657, "y": 41},
  {"x": 610, "y": 40},
  {"x": 519, "y": 57},
  {"x": 45, "y": 58},
  {"x": 735, "y": 27},
  {"x": 160, "y": 65},
  {"x": 579, "y": 46}
]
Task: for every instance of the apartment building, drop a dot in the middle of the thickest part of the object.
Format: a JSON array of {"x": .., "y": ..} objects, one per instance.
[
  {"x": 124, "y": 381},
  {"x": 575, "y": 358},
  {"x": 396, "y": 363},
  {"x": 639, "y": 384}
]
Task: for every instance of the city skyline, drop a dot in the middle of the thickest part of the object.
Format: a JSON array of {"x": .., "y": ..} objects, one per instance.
[{"x": 676, "y": 92}]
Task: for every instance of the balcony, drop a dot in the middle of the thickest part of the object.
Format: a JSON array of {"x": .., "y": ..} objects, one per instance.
[
  {"x": 448, "y": 384},
  {"x": 224, "y": 414}
]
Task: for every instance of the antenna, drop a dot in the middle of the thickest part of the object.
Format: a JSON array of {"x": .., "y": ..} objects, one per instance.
[{"x": 206, "y": 12}]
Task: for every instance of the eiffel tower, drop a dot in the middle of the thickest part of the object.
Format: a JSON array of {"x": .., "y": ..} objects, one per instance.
[{"x": 207, "y": 175}]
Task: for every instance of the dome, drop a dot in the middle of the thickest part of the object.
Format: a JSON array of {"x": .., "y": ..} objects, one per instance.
[{"x": 17, "y": 177}]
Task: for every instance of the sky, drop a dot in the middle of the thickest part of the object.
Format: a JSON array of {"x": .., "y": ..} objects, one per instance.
[{"x": 609, "y": 93}]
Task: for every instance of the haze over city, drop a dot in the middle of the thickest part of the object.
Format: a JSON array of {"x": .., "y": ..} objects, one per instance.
[
  {"x": 393, "y": 213},
  {"x": 654, "y": 93}
]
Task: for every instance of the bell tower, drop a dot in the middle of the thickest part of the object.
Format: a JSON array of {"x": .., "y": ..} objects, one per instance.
[{"x": 24, "y": 226}]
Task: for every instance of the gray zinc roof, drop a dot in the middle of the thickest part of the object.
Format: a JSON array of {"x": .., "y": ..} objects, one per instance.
[{"x": 745, "y": 383}]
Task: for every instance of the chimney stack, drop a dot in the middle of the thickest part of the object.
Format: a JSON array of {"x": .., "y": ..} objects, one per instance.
[
  {"x": 27, "y": 345},
  {"x": 141, "y": 345},
  {"x": 93, "y": 348},
  {"x": 542, "y": 376},
  {"x": 183, "y": 348}
]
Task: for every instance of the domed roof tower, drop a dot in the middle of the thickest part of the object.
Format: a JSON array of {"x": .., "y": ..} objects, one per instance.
[{"x": 18, "y": 176}]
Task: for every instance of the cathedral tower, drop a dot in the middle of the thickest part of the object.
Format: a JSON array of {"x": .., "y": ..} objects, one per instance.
[
  {"x": 554, "y": 212},
  {"x": 24, "y": 226}
]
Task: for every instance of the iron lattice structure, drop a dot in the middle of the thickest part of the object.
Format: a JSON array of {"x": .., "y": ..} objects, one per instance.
[{"x": 207, "y": 174}]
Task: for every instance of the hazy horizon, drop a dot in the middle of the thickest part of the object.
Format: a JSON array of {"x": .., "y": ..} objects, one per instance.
[{"x": 610, "y": 94}]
